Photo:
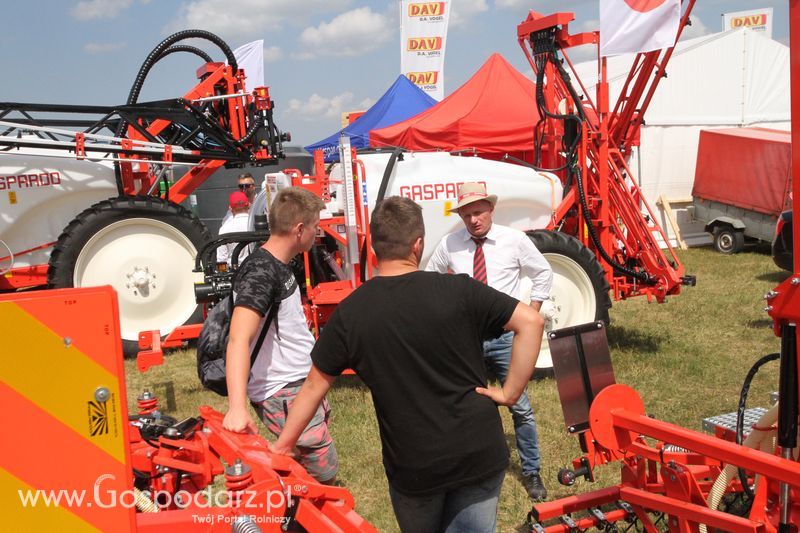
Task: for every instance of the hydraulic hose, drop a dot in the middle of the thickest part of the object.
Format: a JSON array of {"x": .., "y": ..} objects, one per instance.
[
  {"x": 186, "y": 48},
  {"x": 387, "y": 173},
  {"x": 572, "y": 166},
  {"x": 158, "y": 53},
  {"x": 748, "y": 380}
]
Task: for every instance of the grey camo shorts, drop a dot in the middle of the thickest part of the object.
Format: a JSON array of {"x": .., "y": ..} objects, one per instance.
[{"x": 316, "y": 451}]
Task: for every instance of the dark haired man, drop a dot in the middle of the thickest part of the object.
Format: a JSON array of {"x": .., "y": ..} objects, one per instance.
[
  {"x": 415, "y": 339},
  {"x": 247, "y": 185}
]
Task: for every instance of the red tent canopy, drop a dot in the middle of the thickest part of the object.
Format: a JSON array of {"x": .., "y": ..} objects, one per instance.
[{"x": 494, "y": 112}]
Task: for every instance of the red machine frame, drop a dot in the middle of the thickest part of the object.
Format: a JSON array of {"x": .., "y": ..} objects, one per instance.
[
  {"x": 322, "y": 298},
  {"x": 614, "y": 201},
  {"x": 135, "y": 152},
  {"x": 675, "y": 480},
  {"x": 252, "y": 479}
]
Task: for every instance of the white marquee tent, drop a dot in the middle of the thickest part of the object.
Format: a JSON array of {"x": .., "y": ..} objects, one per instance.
[{"x": 729, "y": 79}]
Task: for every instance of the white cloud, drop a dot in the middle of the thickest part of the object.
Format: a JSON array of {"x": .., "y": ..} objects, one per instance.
[
  {"x": 542, "y": 6},
  {"x": 317, "y": 106},
  {"x": 102, "y": 48},
  {"x": 242, "y": 19},
  {"x": 697, "y": 29},
  {"x": 350, "y": 34},
  {"x": 511, "y": 4},
  {"x": 272, "y": 53},
  {"x": 99, "y": 9},
  {"x": 579, "y": 54},
  {"x": 589, "y": 25},
  {"x": 463, "y": 10},
  {"x": 586, "y": 52}
]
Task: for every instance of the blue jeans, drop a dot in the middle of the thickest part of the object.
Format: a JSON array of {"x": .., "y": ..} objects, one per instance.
[
  {"x": 497, "y": 356},
  {"x": 468, "y": 509}
]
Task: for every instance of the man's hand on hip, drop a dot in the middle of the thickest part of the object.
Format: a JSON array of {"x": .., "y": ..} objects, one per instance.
[{"x": 497, "y": 395}]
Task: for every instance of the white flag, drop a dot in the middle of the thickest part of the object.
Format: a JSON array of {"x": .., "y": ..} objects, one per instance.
[
  {"x": 423, "y": 35},
  {"x": 630, "y": 26},
  {"x": 250, "y": 58}
]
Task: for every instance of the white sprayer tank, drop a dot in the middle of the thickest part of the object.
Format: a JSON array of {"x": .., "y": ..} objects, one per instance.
[{"x": 526, "y": 200}]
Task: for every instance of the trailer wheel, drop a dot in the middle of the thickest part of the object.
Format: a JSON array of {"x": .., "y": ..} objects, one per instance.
[
  {"x": 580, "y": 291},
  {"x": 728, "y": 240},
  {"x": 145, "y": 248}
]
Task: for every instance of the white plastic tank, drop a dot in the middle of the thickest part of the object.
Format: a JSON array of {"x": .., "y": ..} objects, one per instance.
[
  {"x": 526, "y": 198},
  {"x": 40, "y": 194}
]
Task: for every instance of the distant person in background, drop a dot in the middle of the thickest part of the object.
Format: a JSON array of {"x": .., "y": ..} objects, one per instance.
[
  {"x": 247, "y": 185},
  {"x": 239, "y": 208}
]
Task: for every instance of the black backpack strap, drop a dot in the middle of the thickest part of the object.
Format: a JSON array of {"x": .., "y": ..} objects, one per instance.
[{"x": 271, "y": 315}]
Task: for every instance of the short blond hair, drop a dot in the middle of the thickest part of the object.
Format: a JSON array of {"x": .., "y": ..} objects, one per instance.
[{"x": 292, "y": 206}]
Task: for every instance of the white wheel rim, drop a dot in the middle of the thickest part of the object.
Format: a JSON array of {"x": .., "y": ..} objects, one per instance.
[
  {"x": 572, "y": 301},
  {"x": 149, "y": 263}
]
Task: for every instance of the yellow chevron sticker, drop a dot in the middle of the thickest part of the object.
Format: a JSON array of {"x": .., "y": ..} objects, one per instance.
[
  {"x": 36, "y": 515},
  {"x": 50, "y": 372}
]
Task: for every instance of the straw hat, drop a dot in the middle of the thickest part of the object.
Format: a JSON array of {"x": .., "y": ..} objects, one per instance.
[{"x": 472, "y": 192}]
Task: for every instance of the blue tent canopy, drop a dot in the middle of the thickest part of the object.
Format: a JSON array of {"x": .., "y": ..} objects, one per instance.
[{"x": 403, "y": 100}]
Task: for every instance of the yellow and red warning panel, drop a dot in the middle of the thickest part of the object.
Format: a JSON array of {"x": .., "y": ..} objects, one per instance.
[{"x": 64, "y": 460}]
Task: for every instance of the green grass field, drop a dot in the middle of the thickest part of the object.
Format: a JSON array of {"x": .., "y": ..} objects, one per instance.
[{"x": 687, "y": 358}]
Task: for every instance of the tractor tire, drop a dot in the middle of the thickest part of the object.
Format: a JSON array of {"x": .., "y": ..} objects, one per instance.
[
  {"x": 728, "y": 240},
  {"x": 142, "y": 246},
  {"x": 580, "y": 292}
]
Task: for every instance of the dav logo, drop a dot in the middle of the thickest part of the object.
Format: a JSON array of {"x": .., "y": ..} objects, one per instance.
[
  {"x": 749, "y": 21},
  {"x": 424, "y": 44},
  {"x": 428, "y": 9},
  {"x": 424, "y": 78}
]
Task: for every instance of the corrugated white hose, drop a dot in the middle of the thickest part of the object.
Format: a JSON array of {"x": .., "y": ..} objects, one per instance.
[
  {"x": 756, "y": 440},
  {"x": 11, "y": 257},
  {"x": 143, "y": 503}
]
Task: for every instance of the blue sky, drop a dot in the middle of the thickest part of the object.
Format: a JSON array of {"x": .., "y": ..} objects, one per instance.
[{"x": 322, "y": 56}]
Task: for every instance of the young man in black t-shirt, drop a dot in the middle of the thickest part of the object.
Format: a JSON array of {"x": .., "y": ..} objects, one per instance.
[
  {"x": 283, "y": 361},
  {"x": 415, "y": 339}
]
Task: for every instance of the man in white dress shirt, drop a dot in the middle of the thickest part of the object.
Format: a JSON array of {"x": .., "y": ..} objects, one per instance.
[
  {"x": 499, "y": 256},
  {"x": 239, "y": 207}
]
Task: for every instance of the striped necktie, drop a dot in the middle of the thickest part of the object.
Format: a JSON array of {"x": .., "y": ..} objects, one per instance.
[{"x": 479, "y": 261}]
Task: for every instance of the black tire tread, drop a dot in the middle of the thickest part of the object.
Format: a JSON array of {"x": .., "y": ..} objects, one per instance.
[
  {"x": 73, "y": 238},
  {"x": 558, "y": 242},
  {"x": 738, "y": 239}
]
